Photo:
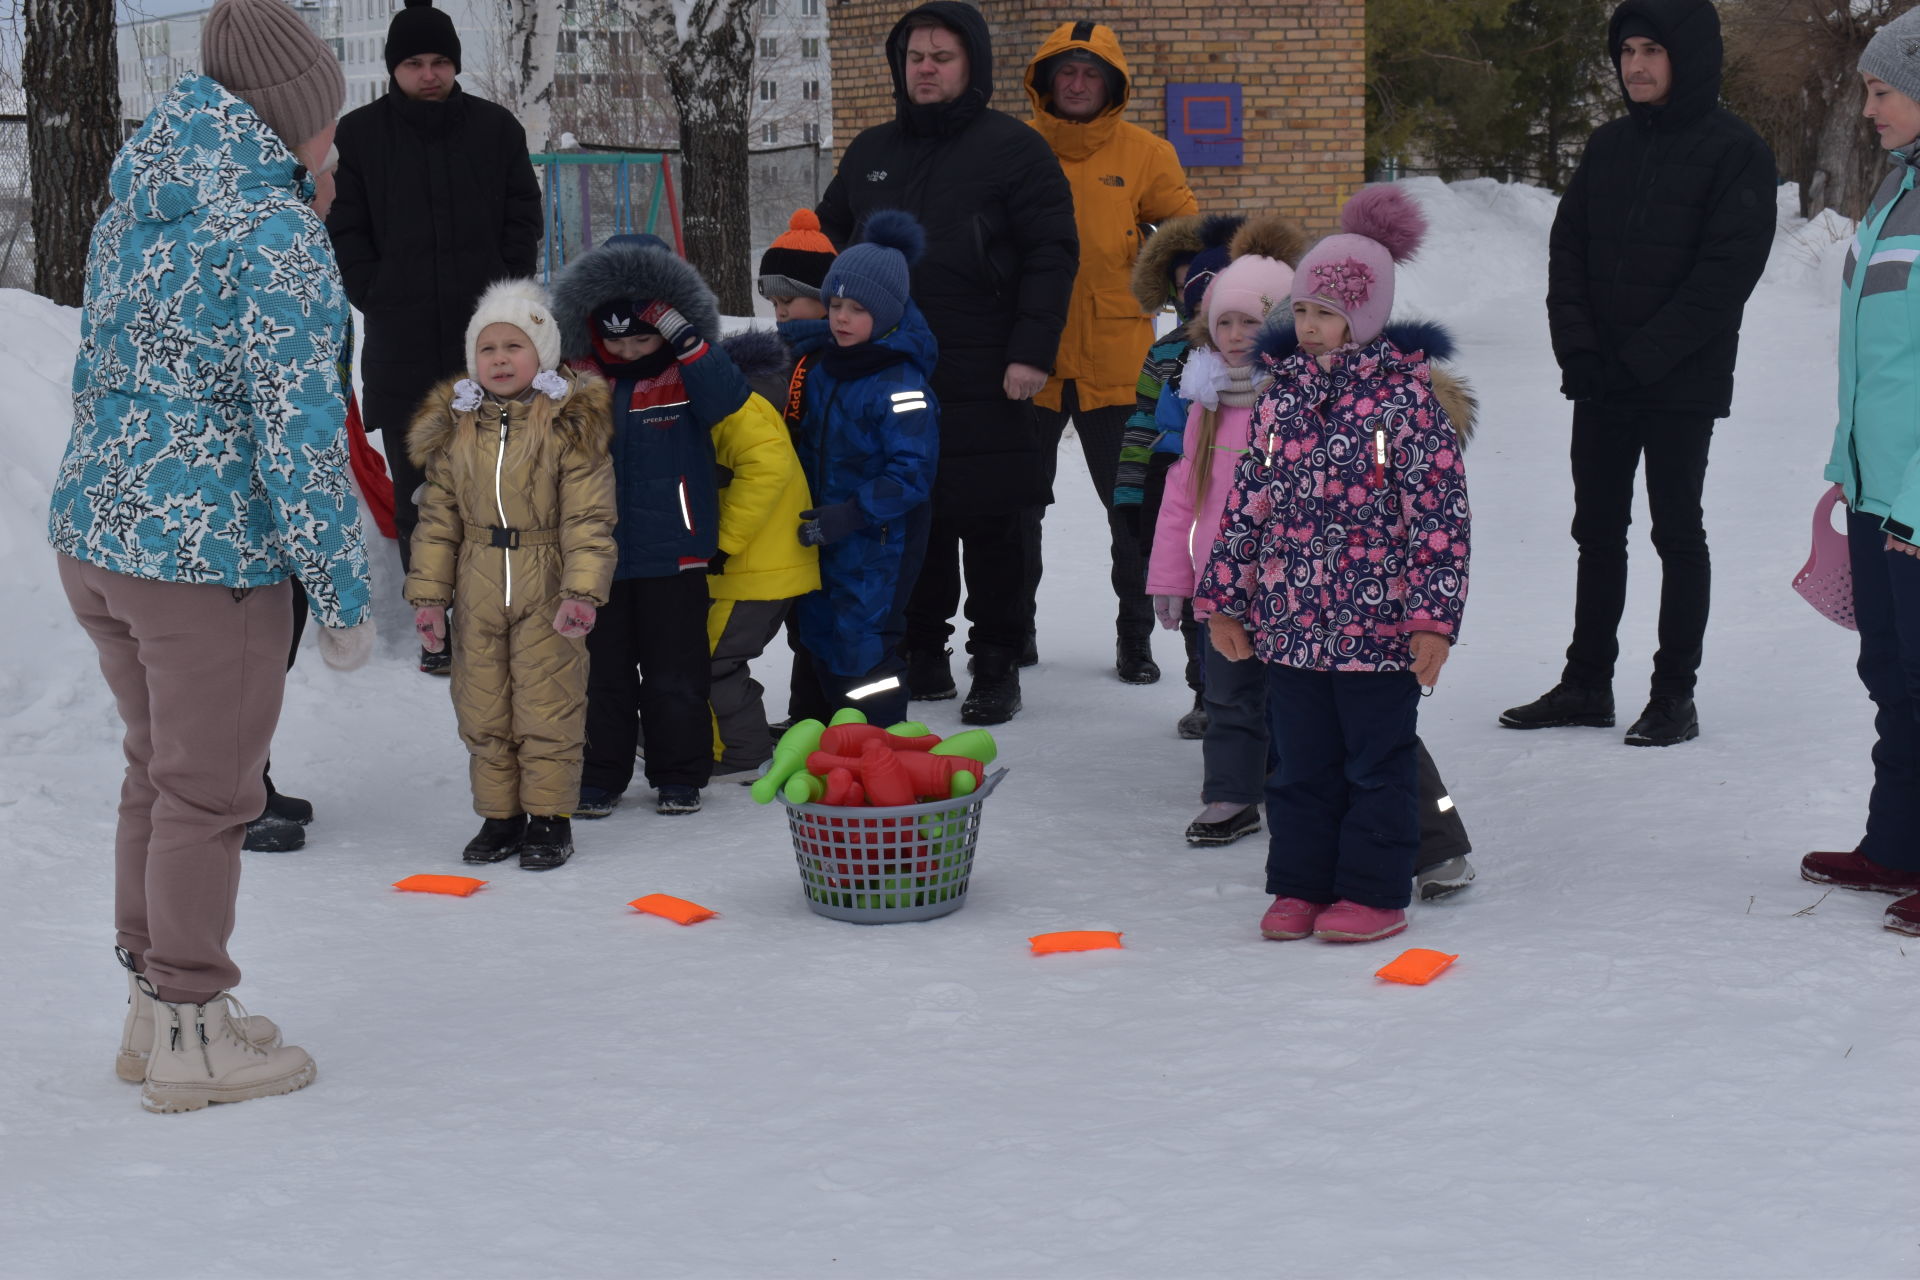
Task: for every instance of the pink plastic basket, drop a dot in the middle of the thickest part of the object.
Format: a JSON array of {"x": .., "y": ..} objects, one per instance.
[{"x": 1826, "y": 580}]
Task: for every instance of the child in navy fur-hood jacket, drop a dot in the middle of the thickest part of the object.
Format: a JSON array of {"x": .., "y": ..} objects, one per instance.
[
  {"x": 1342, "y": 566},
  {"x": 645, "y": 320}
]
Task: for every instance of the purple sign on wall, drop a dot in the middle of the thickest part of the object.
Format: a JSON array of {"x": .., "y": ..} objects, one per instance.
[{"x": 1203, "y": 123}]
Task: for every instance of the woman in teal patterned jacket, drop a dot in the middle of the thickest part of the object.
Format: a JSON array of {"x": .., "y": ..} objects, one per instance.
[{"x": 207, "y": 476}]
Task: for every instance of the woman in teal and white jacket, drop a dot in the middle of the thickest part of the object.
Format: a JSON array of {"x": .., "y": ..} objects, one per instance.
[
  {"x": 205, "y": 480},
  {"x": 1876, "y": 460}
]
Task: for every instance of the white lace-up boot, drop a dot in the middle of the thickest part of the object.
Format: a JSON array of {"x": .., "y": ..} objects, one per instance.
[
  {"x": 136, "y": 1032},
  {"x": 199, "y": 1056}
]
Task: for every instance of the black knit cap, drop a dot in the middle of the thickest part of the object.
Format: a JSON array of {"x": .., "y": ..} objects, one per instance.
[
  {"x": 796, "y": 264},
  {"x": 420, "y": 28}
]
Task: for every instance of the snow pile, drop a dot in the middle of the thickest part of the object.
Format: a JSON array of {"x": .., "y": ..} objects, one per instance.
[
  {"x": 1485, "y": 240},
  {"x": 1660, "y": 1052}
]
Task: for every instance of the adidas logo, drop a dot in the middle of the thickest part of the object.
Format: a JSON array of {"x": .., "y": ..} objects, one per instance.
[{"x": 616, "y": 326}]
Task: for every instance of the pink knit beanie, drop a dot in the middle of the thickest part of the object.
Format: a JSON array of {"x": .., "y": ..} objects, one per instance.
[
  {"x": 1253, "y": 285},
  {"x": 263, "y": 54},
  {"x": 1352, "y": 272}
]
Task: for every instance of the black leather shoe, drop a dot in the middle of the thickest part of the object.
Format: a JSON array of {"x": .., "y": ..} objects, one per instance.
[
  {"x": 1666, "y": 722},
  {"x": 548, "y": 844},
  {"x": 1133, "y": 659},
  {"x": 499, "y": 839},
  {"x": 1564, "y": 704},
  {"x": 930, "y": 675}
]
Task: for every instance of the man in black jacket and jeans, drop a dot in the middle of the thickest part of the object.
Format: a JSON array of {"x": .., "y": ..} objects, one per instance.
[
  {"x": 1661, "y": 236},
  {"x": 435, "y": 200},
  {"x": 994, "y": 285}
]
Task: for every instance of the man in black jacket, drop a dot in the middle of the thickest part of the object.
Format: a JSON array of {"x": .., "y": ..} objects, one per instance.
[
  {"x": 994, "y": 285},
  {"x": 435, "y": 201},
  {"x": 1660, "y": 238}
]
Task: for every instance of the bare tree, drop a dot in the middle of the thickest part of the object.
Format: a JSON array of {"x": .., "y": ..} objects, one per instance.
[
  {"x": 1791, "y": 74},
  {"x": 708, "y": 57},
  {"x": 533, "y": 48},
  {"x": 73, "y": 131}
]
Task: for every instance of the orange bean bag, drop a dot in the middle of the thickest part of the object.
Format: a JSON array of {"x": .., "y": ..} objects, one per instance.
[
  {"x": 678, "y": 910},
  {"x": 1075, "y": 940},
  {"x": 458, "y": 886},
  {"x": 1416, "y": 967}
]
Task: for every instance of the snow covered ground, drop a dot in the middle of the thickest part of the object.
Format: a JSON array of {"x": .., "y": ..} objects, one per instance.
[{"x": 1660, "y": 1053}]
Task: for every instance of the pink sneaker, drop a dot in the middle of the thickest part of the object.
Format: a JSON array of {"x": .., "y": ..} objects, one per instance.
[
  {"x": 1290, "y": 918},
  {"x": 1346, "y": 921}
]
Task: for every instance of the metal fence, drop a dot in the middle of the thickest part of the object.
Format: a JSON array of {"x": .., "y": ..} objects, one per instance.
[{"x": 16, "y": 206}]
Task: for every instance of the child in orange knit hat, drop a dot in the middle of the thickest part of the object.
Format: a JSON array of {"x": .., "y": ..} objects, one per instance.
[{"x": 793, "y": 267}]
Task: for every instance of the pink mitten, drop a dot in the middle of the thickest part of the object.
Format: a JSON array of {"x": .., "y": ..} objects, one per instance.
[
  {"x": 574, "y": 617},
  {"x": 430, "y": 620}
]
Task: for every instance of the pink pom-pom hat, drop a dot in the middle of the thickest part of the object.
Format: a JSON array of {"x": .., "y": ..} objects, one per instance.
[
  {"x": 1252, "y": 285},
  {"x": 1352, "y": 272}
]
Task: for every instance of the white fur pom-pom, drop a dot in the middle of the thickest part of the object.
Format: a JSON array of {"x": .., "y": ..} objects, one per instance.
[
  {"x": 1204, "y": 377},
  {"x": 550, "y": 384},
  {"x": 466, "y": 396}
]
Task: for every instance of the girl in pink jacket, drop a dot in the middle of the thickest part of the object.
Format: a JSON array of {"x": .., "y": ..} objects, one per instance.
[{"x": 1222, "y": 379}]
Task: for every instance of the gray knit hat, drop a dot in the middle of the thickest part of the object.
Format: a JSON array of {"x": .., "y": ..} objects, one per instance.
[
  {"x": 264, "y": 55},
  {"x": 1893, "y": 54}
]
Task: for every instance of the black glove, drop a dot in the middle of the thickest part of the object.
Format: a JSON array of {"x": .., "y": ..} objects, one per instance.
[
  {"x": 1583, "y": 376},
  {"x": 675, "y": 328},
  {"x": 1617, "y": 377},
  {"x": 717, "y": 562},
  {"x": 823, "y": 526}
]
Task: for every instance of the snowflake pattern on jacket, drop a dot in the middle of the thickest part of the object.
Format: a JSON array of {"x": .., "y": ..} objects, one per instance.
[
  {"x": 209, "y": 440},
  {"x": 1329, "y": 562}
]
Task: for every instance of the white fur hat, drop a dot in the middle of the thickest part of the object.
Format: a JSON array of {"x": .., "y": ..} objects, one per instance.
[{"x": 524, "y": 305}]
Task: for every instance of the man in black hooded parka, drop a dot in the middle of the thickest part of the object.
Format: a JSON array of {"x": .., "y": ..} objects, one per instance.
[
  {"x": 435, "y": 200},
  {"x": 1659, "y": 240},
  {"x": 994, "y": 285}
]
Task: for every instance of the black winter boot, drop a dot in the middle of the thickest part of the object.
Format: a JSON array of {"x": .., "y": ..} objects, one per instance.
[
  {"x": 271, "y": 833},
  {"x": 549, "y": 843},
  {"x": 995, "y": 696},
  {"x": 499, "y": 839},
  {"x": 930, "y": 675},
  {"x": 1133, "y": 659},
  {"x": 278, "y": 828},
  {"x": 1667, "y": 722},
  {"x": 292, "y": 808},
  {"x": 1193, "y": 725},
  {"x": 1564, "y": 704},
  {"x": 1029, "y": 655}
]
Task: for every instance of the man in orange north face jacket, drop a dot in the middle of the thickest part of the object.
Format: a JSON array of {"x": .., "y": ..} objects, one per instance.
[{"x": 1123, "y": 179}]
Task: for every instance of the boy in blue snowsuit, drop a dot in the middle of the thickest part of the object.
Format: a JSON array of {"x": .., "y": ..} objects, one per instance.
[{"x": 866, "y": 427}]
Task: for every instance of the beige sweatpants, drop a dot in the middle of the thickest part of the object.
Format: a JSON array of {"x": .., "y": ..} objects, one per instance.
[{"x": 198, "y": 674}]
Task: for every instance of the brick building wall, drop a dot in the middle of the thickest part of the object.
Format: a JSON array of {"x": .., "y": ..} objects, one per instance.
[{"x": 1300, "y": 64}]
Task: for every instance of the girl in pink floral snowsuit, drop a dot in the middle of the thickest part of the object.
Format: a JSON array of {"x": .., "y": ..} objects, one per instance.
[{"x": 1342, "y": 566}]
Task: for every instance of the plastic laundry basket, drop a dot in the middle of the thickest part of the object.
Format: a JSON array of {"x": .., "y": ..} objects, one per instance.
[{"x": 888, "y": 865}]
